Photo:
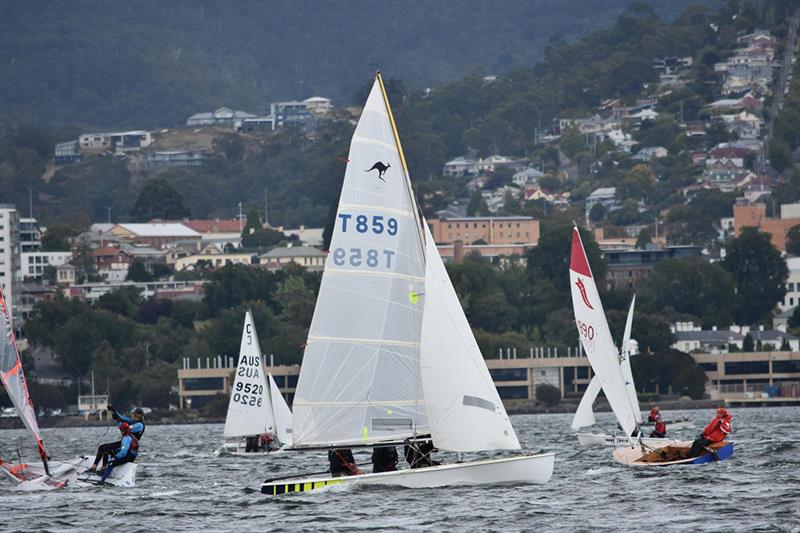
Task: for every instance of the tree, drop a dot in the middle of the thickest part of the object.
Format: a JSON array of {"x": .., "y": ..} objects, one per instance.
[
  {"x": 658, "y": 372},
  {"x": 57, "y": 237},
  {"x": 254, "y": 235},
  {"x": 747, "y": 344},
  {"x": 160, "y": 200},
  {"x": 597, "y": 212},
  {"x": 637, "y": 184},
  {"x": 138, "y": 272},
  {"x": 793, "y": 241},
  {"x": 759, "y": 273},
  {"x": 548, "y": 394},
  {"x": 477, "y": 205},
  {"x": 644, "y": 239}
]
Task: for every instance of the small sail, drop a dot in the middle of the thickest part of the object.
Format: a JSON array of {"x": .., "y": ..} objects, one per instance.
[
  {"x": 281, "y": 413},
  {"x": 13, "y": 377},
  {"x": 596, "y": 337},
  {"x": 465, "y": 412},
  {"x": 625, "y": 363},
  {"x": 249, "y": 409},
  {"x": 584, "y": 416},
  {"x": 360, "y": 378}
]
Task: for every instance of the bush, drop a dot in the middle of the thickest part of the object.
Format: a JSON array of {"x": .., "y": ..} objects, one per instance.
[{"x": 548, "y": 394}]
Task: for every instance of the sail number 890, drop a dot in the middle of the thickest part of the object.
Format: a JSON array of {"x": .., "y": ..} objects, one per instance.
[
  {"x": 586, "y": 330},
  {"x": 363, "y": 224},
  {"x": 356, "y": 257}
]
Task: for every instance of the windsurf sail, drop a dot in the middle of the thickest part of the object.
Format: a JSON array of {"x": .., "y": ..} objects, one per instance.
[{"x": 13, "y": 379}]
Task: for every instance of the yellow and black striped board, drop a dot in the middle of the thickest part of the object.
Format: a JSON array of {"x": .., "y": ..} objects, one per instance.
[{"x": 276, "y": 489}]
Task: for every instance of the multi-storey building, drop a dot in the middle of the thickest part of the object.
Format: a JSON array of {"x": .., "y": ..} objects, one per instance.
[{"x": 9, "y": 256}]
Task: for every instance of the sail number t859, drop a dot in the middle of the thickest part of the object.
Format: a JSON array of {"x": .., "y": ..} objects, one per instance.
[{"x": 369, "y": 257}]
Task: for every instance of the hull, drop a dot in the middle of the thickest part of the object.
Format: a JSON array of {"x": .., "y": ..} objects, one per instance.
[
  {"x": 238, "y": 450},
  {"x": 672, "y": 454},
  {"x": 66, "y": 473},
  {"x": 591, "y": 440},
  {"x": 511, "y": 470}
]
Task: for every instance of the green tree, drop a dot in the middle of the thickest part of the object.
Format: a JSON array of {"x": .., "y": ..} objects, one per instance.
[
  {"x": 122, "y": 301},
  {"x": 660, "y": 371},
  {"x": 57, "y": 237},
  {"x": 548, "y": 394},
  {"x": 138, "y": 272},
  {"x": 297, "y": 301},
  {"x": 747, "y": 344},
  {"x": 159, "y": 200},
  {"x": 793, "y": 241},
  {"x": 597, "y": 212},
  {"x": 637, "y": 184},
  {"x": 254, "y": 235},
  {"x": 477, "y": 205},
  {"x": 644, "y": 239},
  {"x": 759, "y": 273}
]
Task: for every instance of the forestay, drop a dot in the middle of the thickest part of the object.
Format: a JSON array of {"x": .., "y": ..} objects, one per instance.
[
  {"x": 13, "y": 377},
  {"x": 596, "y": 337},
  {"x": 360, "y": 378},
  {"x": 625, "y": 364},
  {"x": 249, "y": 410},
  {"x": 281, "y": 413},
  {"x": 465, "y": 412},
  {"x": 584, "y": 416}
]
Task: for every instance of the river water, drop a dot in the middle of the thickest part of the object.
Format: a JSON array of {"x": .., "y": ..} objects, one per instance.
[{"x": 181, "y": 486}]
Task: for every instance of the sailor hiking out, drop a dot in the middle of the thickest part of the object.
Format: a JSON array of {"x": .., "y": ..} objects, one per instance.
[
  {"x": 135, "y": 424},
  {"x": 128, "y": 450}
]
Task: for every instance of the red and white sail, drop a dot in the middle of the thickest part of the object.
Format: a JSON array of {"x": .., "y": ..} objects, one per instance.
[
  {"x": 596, "y": 337},
  {"x": 13, "y": 377}
]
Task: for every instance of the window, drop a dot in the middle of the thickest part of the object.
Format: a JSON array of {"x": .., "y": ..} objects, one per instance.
[
  {"x": 513, "y": 392},
  {"x": 786, "y": 366},
  {"x": 291, "y": 381},
  {"x": 708, "y": 367},
  {"x": 747, "y": 367},
  {"x": 203, "y": 384},
  {"x": 583, "y": 372},
  {"x": 509, "y": 374}
]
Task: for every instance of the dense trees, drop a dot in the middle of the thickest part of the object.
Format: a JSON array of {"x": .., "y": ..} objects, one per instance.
[{"x": 159, "y": 199}]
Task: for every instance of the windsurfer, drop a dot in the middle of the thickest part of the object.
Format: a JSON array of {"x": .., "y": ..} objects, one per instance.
[
  {"x": 128, "y": 450},
  {"x": 716, "y": 431},
  {"x": 343, "y": 463},
  {"x": 384, "y": 459}
]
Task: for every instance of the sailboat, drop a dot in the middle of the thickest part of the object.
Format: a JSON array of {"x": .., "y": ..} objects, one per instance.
[
  {"x": 390, "y": 358},
  {"x": 256, "y": 406},
  {"x": 615, "y": 379},
  {"x": 51, "y": 473}
]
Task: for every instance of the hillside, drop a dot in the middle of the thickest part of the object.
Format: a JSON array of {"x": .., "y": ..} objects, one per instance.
[{"x": 151, "y": 64}]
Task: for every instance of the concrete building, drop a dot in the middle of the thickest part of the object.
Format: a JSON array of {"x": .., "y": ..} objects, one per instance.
[
  {"x": 606, "y": 196},
  {"x": 755, "y": 216},
  {"x": 626, "y": 268},
  {"x": 460, "y": 167},
  {"x": 157, "y": 234},
  {"x": 692, "y": 338},
  {"x": 291, "y": 115},
  {"x": 122, "y": 142},
  {"x": 318, "y": 105},
  {"x": 174, "y": 158},
  {"x": 223, "y": 116},
  {"x": 67, "y": 152},
  {"x": 33, "y": 264},
  {"x": 792, "y": 298},
  {"x": 10, "y": 252},
  {"x": 222, "y": 232},
  {"x": 489, "y": 230},
  {"x": 306, "y": 256},
  {"x": 212, "y": 256}
]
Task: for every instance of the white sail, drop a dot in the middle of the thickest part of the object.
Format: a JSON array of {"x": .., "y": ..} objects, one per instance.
[
  {"x": 281, "y": 413},
  {"x": 584, "y": 415},
  {"x": 465, "y": 412},
  {"x": 596, "y": 337},
  {"x": 625, "y": 363},
  {"x": 249, "y": 409},
  {"x": 360, "y": 378},
  {"x": 13, "y": 377}
]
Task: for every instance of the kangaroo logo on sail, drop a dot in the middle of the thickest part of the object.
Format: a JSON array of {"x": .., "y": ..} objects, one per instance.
[
  {"x": 381, "y": 168},
  {"x": 582, "y": 288}
]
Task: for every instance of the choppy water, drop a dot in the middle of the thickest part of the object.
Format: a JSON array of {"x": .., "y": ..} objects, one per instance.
[{"x": 182, "y": 487}]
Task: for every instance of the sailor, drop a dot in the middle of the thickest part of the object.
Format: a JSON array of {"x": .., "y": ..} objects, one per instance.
[
  {"x": 251, "y": 444},
  {"x": 716, "y": 431},
  {"x": 266, "y": 442},
  {"x": 384, "y": 459},
  {"x": 659, "y": 426},
  {"x": 128, "y": 450},
  {"x": 343, "y": 463},
  {"x": 418, "y": 453},
  {"x": 136, "y": 425}
]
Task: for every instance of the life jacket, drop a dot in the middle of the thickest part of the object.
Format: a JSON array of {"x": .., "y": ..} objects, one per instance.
[
  {"x": 661, "y": 427},
  {"x": 718, "y": 429},
  {"x": 654, "y": 416},
  {"x": 134, "y": 442}
]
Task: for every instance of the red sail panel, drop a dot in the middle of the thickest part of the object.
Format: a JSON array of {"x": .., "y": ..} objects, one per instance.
[{"x": 578, "y": 261}]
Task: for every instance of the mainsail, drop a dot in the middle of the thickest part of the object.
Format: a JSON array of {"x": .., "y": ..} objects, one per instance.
[
  {"x": 249, "y": 409},
  {"x": 625, "y": 364},
  {"x": 584, "y": 415},
  {"x": 596, "y": 337},
  {"x": 360, "y": 379},
  {"x": 465, "y": 412},
  {"x": 281, "y": 413},
  {"x": 13, "y": 378}
]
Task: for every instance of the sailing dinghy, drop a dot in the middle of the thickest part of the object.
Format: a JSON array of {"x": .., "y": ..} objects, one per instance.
[
  {"x": 390, "y": 358},
  {"x": 599, "y": 347},
  {"x": 256, "y": 406}
]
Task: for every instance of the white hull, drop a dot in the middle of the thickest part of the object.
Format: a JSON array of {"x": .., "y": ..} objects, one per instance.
[
  {"x": 238, "y": 450},
  {"x": 68, "y": 473},
  {"x": 591, "y": 440},
  {"x": 510, "y": 470}
]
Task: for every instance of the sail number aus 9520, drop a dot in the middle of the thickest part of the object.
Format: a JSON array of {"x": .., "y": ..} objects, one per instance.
[
  {"x": 362, "y": 224},
  {"x": 586, "y": 330},
  {"x": 248, "y": 394}
]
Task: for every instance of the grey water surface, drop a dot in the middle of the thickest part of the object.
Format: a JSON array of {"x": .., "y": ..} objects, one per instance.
[{"x": 181, "y": 486}]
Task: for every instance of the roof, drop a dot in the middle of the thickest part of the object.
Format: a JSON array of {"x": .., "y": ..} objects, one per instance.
[
  {"x": 168, "y": 229},
  {"x": 721, "y": 335},
  {"x": 214, "y": 226},
  {"x": 315, "y": 99},
  {"x": 294, "y": 251},
  {"x": 107, "y": 250}
]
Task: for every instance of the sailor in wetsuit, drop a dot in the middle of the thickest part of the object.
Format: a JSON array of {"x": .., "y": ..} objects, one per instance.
[
  {"x": 384, "y": 459},
  {"x": 418, "y": 453},
  {"x": 128, "y": 450},
  {"x": 137, "y": 427},
  {"x": 343, "y": 463}
]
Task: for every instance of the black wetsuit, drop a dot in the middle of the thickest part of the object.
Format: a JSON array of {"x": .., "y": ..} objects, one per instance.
[
  {"x": 384, "y": 459},
  {"x": 342, "y": 462}
]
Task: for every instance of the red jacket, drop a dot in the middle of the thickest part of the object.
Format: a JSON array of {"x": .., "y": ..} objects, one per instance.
[
  {"x": 661, "y": 427},
  {"x": 718, "y": 429}
]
